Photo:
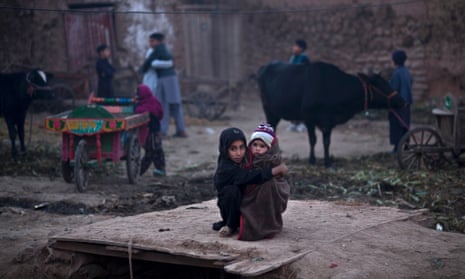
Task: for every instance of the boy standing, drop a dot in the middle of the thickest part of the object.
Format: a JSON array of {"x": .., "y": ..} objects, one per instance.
[
  {"x": 298, "y": 53},
  {"x": 298, "y": 57},
  {"x": 105, "y": 72},
  {"x": 401, "y": 82}
]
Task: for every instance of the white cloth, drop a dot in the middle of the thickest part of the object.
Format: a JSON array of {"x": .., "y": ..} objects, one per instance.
[
  {"x": 150, "y": 77},
  {"x": 265, "y": 137}
]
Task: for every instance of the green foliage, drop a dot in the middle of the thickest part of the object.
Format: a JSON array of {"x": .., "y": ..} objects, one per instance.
[{"x": 377, "y": 180}]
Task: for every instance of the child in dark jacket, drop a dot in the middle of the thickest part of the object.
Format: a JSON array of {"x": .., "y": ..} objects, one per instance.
[
  {"x": 231, "y": 177},
  {"x": 105, "y": 72},
  {"x": 153, "y": 145}
]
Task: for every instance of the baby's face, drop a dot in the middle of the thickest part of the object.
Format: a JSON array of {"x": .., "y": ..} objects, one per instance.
[{"x": 258, "y": 147}]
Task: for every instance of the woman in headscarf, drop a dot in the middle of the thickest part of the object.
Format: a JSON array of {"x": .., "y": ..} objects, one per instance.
[{"x": 153, "y": 144}]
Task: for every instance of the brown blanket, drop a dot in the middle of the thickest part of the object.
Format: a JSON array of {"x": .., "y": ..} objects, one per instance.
[{"x": 263, "y": 204}]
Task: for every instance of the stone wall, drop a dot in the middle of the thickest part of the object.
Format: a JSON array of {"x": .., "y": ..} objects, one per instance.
[
  {"x": 358, "y": 36},
  {"x": 37, "y": 38},
  {"x": 133, "y": 30},
  {"x": 361, "y": 39},
  {"x": 32, "y": 39}
]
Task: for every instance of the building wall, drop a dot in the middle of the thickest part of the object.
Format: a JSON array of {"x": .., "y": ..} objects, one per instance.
[
  {"x": 357, "y": 35},
  {"x": 32, "y": 39},
  {"x": 362, "y": 39},
  {"x": 133, "y": 30}
]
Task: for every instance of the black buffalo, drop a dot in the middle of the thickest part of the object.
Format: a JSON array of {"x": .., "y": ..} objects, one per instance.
[
  {"x": 320, "y": 95},
  {"x": 17, "y": 90}
]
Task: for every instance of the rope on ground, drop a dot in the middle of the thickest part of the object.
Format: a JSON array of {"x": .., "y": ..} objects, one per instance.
[
  {"x": 402, "y": 218},
  {"x": 130, "y": 258}
]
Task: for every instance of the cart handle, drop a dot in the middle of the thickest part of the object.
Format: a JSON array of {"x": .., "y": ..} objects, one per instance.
[{"x": 110, "y": 101}]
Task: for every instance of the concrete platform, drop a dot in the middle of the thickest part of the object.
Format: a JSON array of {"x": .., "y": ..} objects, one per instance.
[{"x": 184, "y": 236}]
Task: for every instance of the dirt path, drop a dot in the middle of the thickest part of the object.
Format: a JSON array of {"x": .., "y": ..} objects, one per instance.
[
  {"x": 190, "y": 162},
  {"x": 355, "y": 138}
]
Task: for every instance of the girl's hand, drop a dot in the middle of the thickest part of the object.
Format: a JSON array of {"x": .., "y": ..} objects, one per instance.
[{"x": 280, "y": 170}]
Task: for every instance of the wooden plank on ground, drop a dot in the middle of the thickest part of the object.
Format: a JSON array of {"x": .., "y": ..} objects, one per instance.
[
  {"x": 136, "y": 254},
  {"x": 184, "y": 235},
  {"x": 248, "y": 267}
]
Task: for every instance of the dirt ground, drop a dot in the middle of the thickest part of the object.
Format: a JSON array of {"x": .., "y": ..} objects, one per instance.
[{"x": 35, "y": 202}]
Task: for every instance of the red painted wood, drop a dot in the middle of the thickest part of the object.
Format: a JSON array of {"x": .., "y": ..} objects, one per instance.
[
  {"x": 99, "y": 148},
  {"x": 71, "y": 147},
  {"x": 65, "y": 156},
  {"x": 84, "y": 32}
]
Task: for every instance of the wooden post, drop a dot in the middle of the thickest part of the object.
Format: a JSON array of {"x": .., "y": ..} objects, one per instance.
[
  {"x": 99, "y": 148},
  {"x": 71, "y": 146}
]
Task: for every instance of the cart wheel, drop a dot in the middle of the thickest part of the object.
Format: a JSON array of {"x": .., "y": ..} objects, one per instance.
[
  {"x": 133, "y": 159},
  {"x": 67, "y": 171},
  {"x": 421, "y": 147},
  {"x": 81, "y": 171},
  {"x": 457, "y": 156},
  {"x": 207, "y": 106},
  {"x": 63, "y": 98}
]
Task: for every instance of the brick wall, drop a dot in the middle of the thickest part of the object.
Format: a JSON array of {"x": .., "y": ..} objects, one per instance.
[
  {"x": 30, "y": 38},
  {"x": 362, "y": 39},
  {"x": 356, "y": 38}
]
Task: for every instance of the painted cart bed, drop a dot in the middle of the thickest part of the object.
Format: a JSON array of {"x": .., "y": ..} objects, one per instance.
[{"x": 106, "y": 129}]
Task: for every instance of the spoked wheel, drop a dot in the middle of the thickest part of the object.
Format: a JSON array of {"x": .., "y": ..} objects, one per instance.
[
  {"x": 67, "y": 171},
  {"x": 133, "y": 157},
  {"x": 459, "y": 158},
  {"x": 207, "y": 106},
  {"x": 81, "y": 171},
  {"x": 421, "y": 147},
  {"x": 63, "y": 98}
]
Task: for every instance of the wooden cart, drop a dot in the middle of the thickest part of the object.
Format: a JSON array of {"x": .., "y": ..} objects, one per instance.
[
  {"x": 209, "y": 99},
  {"x": 104, "y": 130},
  {"x": 73, "y": 89},
  {"x": 426, "y": 147},
  {"x": 68, "y": 89}
]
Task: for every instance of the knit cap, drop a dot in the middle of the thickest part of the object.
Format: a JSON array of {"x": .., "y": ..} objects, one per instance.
[{"x": 264, "y": 132}]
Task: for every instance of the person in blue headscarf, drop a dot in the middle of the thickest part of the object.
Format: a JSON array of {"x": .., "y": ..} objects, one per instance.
[{"x": 401, "y": 81}]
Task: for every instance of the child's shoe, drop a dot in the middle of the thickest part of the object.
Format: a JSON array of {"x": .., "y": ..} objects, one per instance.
[
  {"x": 218, "y": 225},
  {"x": 157, "y": 172}
]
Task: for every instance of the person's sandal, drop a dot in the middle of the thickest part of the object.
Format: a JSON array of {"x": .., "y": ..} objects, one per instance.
[
  {"x": 225, "y": 231},
  {"x": 182, "y": 134}
]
